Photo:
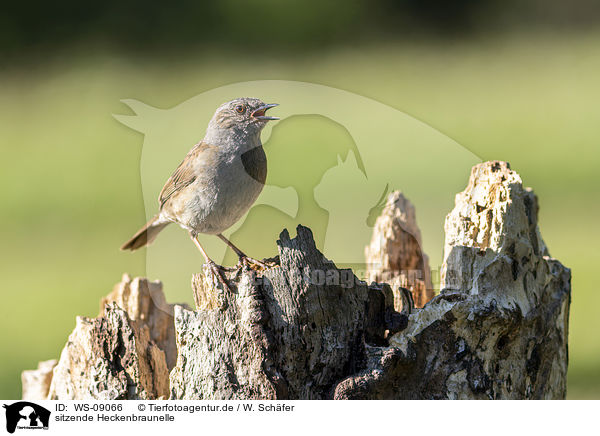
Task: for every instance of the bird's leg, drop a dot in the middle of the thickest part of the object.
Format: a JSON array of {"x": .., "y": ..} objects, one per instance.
[
  {"x": 244, "y": 259},
  {"x": 214, "y": 268}
]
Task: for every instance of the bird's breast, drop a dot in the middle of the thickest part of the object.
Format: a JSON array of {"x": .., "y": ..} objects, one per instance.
[{"x": 222, "y": 197}]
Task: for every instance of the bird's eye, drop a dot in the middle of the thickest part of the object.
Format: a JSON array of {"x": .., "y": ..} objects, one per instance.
[{"x": 240, "y": 108}]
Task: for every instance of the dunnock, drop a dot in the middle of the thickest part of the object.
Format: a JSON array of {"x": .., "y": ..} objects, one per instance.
[{"x": 217, "y": 182}]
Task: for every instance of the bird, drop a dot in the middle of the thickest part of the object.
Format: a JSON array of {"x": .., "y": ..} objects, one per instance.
[{"x": 217, "y": 182}]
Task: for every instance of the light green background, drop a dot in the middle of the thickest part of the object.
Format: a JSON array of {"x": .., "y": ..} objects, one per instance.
[{"x": 71, "y": 172}]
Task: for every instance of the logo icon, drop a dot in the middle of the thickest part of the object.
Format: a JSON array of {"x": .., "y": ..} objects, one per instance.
[{"x": 26, "y": 415}]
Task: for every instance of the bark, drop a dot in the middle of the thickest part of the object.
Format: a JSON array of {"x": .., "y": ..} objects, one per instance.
[
  {"x": 125, "y": 352},
  {"x": 306, "y": 329},
  {"x": 291, "y": 331},
  {"x": 499, "y": 327}
]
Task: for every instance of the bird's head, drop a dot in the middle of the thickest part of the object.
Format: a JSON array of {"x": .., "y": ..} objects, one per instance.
[{"x": 242, "y": 114}]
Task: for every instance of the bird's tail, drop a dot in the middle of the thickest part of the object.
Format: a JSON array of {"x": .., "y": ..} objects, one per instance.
[{"x": 146, "y": 234}]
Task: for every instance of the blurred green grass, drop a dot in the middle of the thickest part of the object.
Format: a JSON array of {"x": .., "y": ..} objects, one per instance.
[{"x": 71, "y": 182}]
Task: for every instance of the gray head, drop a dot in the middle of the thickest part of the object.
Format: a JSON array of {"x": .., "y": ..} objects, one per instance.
[{"x": 244, "y": 115}]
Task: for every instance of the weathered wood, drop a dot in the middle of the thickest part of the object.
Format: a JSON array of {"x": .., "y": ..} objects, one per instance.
[
  {"x": 306, "y": 329},
  {"x": 395, "y": 254},
  {"x": 36, "y": 382},
  {"x": 146, "y": 305},
  {"x": 291, "y": 331},
  {"x": 124, "y": 352},
  {"x": 499, "y": 327}
]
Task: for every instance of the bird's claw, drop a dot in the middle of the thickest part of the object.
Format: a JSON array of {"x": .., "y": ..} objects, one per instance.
[
  {"x": 217, "y": 271},
  {"x": 251, "y": 263}
]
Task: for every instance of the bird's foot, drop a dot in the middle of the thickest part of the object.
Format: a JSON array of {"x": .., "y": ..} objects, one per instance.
[
  {"x": 249, "y": 262},
  {"x": 217, "y": 271}
]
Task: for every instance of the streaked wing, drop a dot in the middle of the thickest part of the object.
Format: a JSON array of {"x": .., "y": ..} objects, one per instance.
[{"x": 185, "y": 174}]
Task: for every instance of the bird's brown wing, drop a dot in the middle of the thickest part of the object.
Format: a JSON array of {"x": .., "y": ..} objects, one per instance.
[{"x": 185, "y": 174}]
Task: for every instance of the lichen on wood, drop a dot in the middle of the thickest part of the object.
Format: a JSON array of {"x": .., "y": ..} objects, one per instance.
[{"x": 499, "y": 328}]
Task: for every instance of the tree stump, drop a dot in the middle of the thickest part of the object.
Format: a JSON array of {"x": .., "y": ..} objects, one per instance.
[
  {"x": 292, "y": 331},
  {"x": 124, "y": 353},
  {"x": 305, "y": 329},
  {"x": 499, "y": 327}
]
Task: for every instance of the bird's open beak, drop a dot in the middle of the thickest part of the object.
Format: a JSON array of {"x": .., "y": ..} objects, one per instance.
[{"x": 259, "y": 113}]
